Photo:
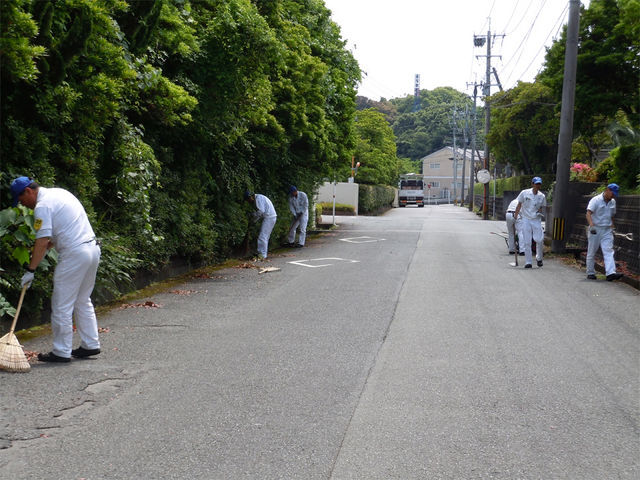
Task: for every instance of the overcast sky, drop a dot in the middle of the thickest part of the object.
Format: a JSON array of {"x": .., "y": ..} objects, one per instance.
[{"x": 393, "y": 40}]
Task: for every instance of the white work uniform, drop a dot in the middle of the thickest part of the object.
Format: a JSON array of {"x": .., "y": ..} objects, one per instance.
[
  {"x": 514, "y": 226},
  {"x": 61, "y": 217},
  {"x": 267, "y": 213},
  {"x": 532, "y": 222},
  {"x": 299, "y": 207},
  {"x": 602, "y": 213}
]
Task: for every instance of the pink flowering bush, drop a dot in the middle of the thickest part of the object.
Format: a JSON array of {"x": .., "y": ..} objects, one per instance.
[{"x": 581, "y": 172}]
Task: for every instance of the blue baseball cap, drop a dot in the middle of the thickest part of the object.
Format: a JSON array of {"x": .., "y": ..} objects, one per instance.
[
  {"x": 248, "y": 195},
  {"x": 536, "y": 180},
  {"x": 614, "y": 188},
  {"x": 18, "y": 186},
  {"x": 292, "y": 189}
]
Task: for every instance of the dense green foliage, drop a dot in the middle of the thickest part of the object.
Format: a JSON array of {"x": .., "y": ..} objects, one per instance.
[
  {"x": 524, "y": 127},
  {"x": 159, "y": 114},
  {"x": 375, "y": 149}
]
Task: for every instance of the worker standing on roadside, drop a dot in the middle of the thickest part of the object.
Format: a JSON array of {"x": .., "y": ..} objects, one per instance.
[
  {"x": 600, "y": 213},
  {"x": 531, "y": 201},
  {"x": 299, "y": 206},
  {"x": 514, "y": 226},
  {"x": 60, "y": 221},
  {"x": 266, "y": 212}
]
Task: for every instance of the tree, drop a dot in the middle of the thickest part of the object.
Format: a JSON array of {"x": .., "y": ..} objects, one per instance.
[
  {"x": 608, "y": 67},
  {"x": 375, "y": 149},
  {"x": 524, "y": 128}
]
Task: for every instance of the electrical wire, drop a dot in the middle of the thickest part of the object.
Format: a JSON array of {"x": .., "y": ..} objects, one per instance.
[
  {"x": 557, "y": 29},
  {"x": 559, "y": 21},
  {"x": 512, "y": 14},
  {"x": 520, "y": 48}
]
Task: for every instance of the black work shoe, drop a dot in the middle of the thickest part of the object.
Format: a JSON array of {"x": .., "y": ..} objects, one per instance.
[
  {"x": 287, "y": 244},
  {"x": 591, "y": 277},
  {"x": 52, "y": 357},
  {"x": 528, "y": 265},
  {"x": 614, "y": 276},
  {"x": 81, "y": 352},
  {"x": 539, "y": 263},
  {"x": 297, "y": 245},
  {"x": 521, "y": 254},
  {"x": 512, "y": 253}
]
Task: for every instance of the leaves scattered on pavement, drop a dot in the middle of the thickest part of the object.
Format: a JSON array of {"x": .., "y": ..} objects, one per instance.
[{"x": 147, "y": 304}]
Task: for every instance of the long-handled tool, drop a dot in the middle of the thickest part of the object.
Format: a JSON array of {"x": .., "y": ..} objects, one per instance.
[
  {"x": 12, "y": 357},
  {"x": 506, "y": 239},
  {"x": 627, "y": 236}
]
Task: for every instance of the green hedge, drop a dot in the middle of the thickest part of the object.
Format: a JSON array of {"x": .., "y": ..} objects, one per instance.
[
  {"x": 373, "y": 198},
  {"x": 515, "y": 184},
  {"x": 327, "y": 208}
]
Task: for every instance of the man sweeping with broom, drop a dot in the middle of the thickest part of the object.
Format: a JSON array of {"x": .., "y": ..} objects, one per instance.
[{"x": 61, "y": 222}]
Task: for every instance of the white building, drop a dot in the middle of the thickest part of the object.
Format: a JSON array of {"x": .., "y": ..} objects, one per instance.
[{"x": 442, "y": 181}]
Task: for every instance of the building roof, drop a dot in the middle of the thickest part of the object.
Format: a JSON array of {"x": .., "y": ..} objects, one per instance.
[{"x": 449, "y": 151}]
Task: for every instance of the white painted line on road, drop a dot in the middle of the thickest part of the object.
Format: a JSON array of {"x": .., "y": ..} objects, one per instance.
[
  {"x": 303, "y": 263},
  {"x": 362, "y": 239}
]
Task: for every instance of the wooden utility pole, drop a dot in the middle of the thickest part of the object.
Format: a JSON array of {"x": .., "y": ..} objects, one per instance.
[
  {"x": 565, "y": 137},
  {"x": 479, "y": 41},
  {"x": 486, "y": 91}
]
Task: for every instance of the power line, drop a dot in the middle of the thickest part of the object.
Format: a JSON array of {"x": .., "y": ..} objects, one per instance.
[
  {"x": 542, "y": 46},
  {"x": 512, "y": 14},
  {"x": 545, "y": 41}
]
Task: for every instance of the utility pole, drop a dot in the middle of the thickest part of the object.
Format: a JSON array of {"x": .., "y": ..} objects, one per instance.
[
  {"x": 473, "y": 147},
  {"x": 465, "y": 140},
  {"x": 486, "y": 92},
  {"x": 455, "y": 159},
  {"x": 565, "y": 135}
]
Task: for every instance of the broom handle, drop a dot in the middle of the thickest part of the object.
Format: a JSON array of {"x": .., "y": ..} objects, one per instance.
[{"x": 15, "y": 317}]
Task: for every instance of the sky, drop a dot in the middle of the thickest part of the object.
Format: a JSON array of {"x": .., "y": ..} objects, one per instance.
[{"x": 393, "y": 40}]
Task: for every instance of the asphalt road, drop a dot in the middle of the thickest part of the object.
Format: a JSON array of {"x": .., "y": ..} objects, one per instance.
[{"x": 396, "y": 347}]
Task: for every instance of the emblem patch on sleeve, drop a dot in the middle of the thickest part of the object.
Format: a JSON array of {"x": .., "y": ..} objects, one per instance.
[{"x": 37, "y": 224}]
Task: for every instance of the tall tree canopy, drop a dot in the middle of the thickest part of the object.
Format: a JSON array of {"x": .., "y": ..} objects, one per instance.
[
  {"x": 375, "y": 149},
  {"x": 524, "y": 127},
  {"x": 608, "y": 65}
]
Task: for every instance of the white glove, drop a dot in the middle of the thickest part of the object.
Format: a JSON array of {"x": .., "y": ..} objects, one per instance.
[{"x": 27, "y": 278}]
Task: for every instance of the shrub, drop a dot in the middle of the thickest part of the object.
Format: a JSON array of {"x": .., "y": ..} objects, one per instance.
[
  {"x": 326, "y": 208},
  {"x": 581, "y": 172},
  {"x": 372, "y": 198}
]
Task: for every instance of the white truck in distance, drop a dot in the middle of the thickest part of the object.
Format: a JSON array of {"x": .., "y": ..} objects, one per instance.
[{"x": 411, "y": 190}]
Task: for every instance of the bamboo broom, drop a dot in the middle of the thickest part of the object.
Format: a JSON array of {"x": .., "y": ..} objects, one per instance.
[{"x": 12, "y": 357}]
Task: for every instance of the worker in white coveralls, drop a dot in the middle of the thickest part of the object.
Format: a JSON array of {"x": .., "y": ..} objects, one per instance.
[
  {"x": 531, "y": 203},
  {"x": 266, "y": 212},
  {"x": 514, "y": 226},
  {"x": 60, "y": 221},
  {"x": 299, "y": 206},
  {"x": 600, "y": 213}
]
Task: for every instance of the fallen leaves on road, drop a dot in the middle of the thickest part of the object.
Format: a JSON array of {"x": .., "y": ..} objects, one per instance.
[
  {"x": 147, "y": 304},
  {"x": 31, "y": 355},
  {"x": 183, "y": 292},
  {"x": 247, "y": 265},
  {"x": 104, "y": 330}
]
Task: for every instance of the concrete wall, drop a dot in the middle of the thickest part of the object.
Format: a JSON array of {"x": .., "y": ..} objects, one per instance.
[{"x": 346, "y": 193}]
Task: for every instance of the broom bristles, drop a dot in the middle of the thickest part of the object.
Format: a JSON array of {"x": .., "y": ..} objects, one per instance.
[{"x": 12, "y": 357}]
